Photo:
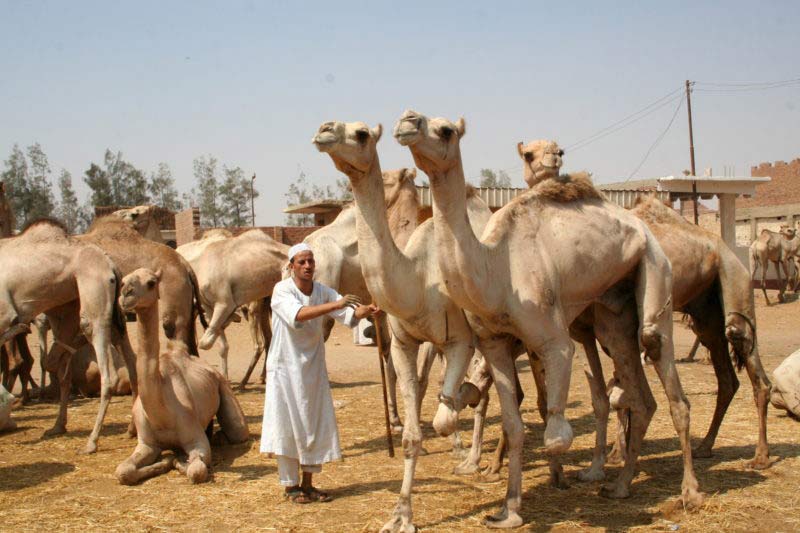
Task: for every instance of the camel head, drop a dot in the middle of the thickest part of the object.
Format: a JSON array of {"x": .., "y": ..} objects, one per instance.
[
  {"x": 433, "y": 141},
  {"x": 395, "y": 180},
  {"x": 351, "y": 145},
  {"x": 788, "y": 232},
  {"x": 139, "y": 217},
  {"x": 541, "y": 160},
  {"x": 139, "y": 289}
]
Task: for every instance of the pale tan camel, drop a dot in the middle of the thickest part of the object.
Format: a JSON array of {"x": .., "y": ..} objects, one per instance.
[
  {"x": 772, "y": 247},
  {"x": 786, "y": 390},
  {"x": 543, "y": 160},
  {"x": 546, "y": 288},
  {"x": 178, "y": 398},
  {"x": 407, "y": 284},
  {"x": 6, "y": 404},
  {"x": 179, "y": 292},
  {"x": 338, "y": 266},
  {"x": 235, "y": 272},
  {"x": 85, "y": 372},
  {"x": 44, "y": 270},
  {"x": 142, "y": 218}
]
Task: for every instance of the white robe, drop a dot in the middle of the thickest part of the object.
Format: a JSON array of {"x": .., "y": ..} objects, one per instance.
[{"x": 299, "y": 420}]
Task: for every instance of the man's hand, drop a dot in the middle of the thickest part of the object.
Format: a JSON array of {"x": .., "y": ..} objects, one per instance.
[
  {"x": 348, "y": 300},
  {"x": 363, "y": 311}
]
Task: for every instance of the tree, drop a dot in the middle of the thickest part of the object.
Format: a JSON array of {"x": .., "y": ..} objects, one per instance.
[
  {"x": 119, "y": 183},
  {"x": 40, "y": 201},
  {"x": 162, "y": 188},
  {"x": 205, "y": 172},
  {"x": 97, "y": 180},
  {"x": 15, "y": 177},
  {"x": 234, "y": 196},
  {"x": 490, "y": 178},
  {"x": 68, "y": 209},
  {"x": 301, "y": 192},
  {"x": 344, "y": 190}
]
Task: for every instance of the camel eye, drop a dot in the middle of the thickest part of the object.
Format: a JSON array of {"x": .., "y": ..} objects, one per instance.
[
  {"x": 561, "y": 152},
  {"x": 529, "y": 157},
  {"x": 446, "y": 132},
  {"x": 362, "y": 136},
  {"x": 151, "y": 283}
]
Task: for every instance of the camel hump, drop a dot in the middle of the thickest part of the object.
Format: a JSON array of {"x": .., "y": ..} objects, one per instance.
[
  {"x": 567, "y": 188},
  {"x": 230, "y": 415},
  {"x": 45, "y": 228}
]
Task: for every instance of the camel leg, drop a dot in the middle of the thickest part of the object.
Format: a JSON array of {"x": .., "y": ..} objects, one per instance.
[
  {"x": 618, "y": 453},
  {"x": 99, "y": 336},
  {"x": 64, "y": 374},
  {"x": 64, "y": 323},
  {"x": 253, "y": 362},
  {"x": 129, "y": 356},
  {"x": 781, "y": 286},
  {"x": 223, "y": 354},
  {"x": 501, "y": 364},
  {"x": 404, "y": 352},
  {"x": 711, "y": 329},
  {"x": 141, "y": 465},
  {"x": 471, "y": 463},
  {"x": 222, "y": 311},
  {"x": 764, "y": 266},
  {"x": 594, "y": 375},
  {"x": 693, "y": 352},
  {"x": 198, "y": 461},
  {"x": 427, "y": 357},
  {"x": 42, "y": 335},
  {"x": 230, "y": 416},
  {"x": 266, "y": 332}
]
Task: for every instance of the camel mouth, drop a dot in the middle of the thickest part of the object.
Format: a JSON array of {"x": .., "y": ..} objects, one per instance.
[
  {"x": 324, "y": 140},
  {"x": 405, "y": 136}
]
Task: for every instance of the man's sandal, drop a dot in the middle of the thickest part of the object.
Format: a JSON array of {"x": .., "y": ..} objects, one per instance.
[
  {"x": 316, "y": 495},
  {"x": 298, "y": 496}
]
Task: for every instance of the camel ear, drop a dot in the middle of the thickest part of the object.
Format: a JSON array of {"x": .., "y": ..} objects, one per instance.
[
  {"x": 377, "y": 131},
  {"x": 158, "y": 274},
  {"x": 410, "y": 173},
  {"x": 519, "y": 149},
  {"x": 461, "y": 127}
]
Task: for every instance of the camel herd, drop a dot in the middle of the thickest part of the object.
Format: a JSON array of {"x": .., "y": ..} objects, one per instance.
[{"x": 558, "y": 264}]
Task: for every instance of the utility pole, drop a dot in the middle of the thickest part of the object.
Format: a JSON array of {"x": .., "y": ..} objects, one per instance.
[
  {"x": 253, "y": 205},
  {"x": 691, "y": 150}
]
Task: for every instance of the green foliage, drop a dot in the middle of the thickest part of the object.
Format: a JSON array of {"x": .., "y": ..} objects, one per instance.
[
  {"x": 490, "y": 178},
  {"x": 28, "y": 187},
  {"x": 206, "y": 176},
  {"x": 119, "y": 183},
  {"x": 161, "y": 188},
  {"x": 68, "y": 209},
  {"x": 301, "y": 192},
  {"x": 234, "y": 195}
]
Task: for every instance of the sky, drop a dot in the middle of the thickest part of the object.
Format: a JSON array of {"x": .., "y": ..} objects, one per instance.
[{"x": 250, "y": 82}]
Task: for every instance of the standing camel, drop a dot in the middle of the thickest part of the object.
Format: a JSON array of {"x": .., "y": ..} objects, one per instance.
[
  {"x": 178, "y": 398},
  {"x": 772, "y": 247},
  {"x": 519, "y": 279},
  {"x": 44, "y": 270},
  {"x": 407, "y": 284}
]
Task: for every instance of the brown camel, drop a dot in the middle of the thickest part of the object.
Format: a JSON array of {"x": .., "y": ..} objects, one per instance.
[
  {"x": 772, "y": 247},
  {"x": 45, "y": 270},
  {"x": 178, "y": 398},
  {"x": 142, "y": 218},
  {"x": 407, "y": 284},
  {"x": 129, "y": 251},
  {"x": 518, "y": 280}
]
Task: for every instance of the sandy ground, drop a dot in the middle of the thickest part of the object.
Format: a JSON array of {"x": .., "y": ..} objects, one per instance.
[{"x": 46, "y": 485}]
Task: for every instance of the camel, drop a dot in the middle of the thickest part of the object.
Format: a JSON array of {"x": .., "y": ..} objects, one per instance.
[
  {"x": 407, "y": 284},
  {"x": 519, "y": 280},
  {"x": 234, "y": 272},
  {"x": 16, "y": 361},
  {"x": 178, "y": 398},
  {"x": 6, "y": 403},
  {"x": 786, "y": 391},
  {"x": 45, "y": 270},
  {"x": 543, "y": 160},
  {"x": 84, "y": 370},
  {"x": 338, "y": 266},
  {"x": 142, "y": 218},
  {"x": 775, "y": 247},
  {"x": 179, "y": 291}
]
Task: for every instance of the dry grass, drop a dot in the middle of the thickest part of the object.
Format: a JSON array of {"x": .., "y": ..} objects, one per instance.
[{"x": 45, "y": 484}]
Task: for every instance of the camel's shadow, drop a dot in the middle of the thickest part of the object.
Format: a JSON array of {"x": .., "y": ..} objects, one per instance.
[{"x": 24, "y": 476}]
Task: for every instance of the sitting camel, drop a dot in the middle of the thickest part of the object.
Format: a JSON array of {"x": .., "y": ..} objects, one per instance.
[
  {"x": 178, "y": 398},
  {"x": 772, "y": 247},
  {"x": 6, "y": 403},
  {"x": 786, "y": 386},
  {"x": 43, "y": 270}
]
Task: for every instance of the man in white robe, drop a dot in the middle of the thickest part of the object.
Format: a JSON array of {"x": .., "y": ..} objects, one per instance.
[{"x": 299, "y": 425}]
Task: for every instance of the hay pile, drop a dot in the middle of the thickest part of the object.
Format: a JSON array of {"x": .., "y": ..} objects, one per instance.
[{"x": 45, "y": 484}]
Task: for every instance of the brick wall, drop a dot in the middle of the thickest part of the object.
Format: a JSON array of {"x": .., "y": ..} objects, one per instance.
[
  {"x": 187, "y": 226},
  {"x": 783, "y": 189}
]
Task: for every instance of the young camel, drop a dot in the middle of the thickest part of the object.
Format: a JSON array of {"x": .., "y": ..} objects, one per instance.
[
  {"x": 45, "y": 270},
  {"x": 407, "y": 284},
  {"x": 772, "y": 247},
  {"x": 545, "y": 288},
  {"x": 178, "y": 398}
]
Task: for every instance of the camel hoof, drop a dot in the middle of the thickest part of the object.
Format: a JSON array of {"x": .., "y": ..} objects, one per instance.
[
  {"x": 396, "y": 525},
  {"x": 591, "y": 474},
  {"x": 54, "y": 431},
  {"x": 761, "y": 462},
  {"x": 615, "y": 491},
  {"x": 397, "y": 429},
  {"x": 503, "y": 520},
  {"x": 692, "y": 499},
  {"x": 557, "y": 434},
  {"x": 90, "y": 448},
  {"x": 702, "y": 452},
  {"x": 614, "y": 458},
  {"x": 490, "y": 475},
  {"x": 466, "y": 468}
]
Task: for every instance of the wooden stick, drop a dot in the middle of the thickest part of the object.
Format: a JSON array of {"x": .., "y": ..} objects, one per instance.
[{"x": 379, "y": 340}]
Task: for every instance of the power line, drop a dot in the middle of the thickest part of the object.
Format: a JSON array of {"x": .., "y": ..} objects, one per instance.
[
  {"x": 719, "y": 88},
  {"x": 626, "y": 121},
  {"x": 657, "y": 141},
  {"x": 747, "y": 84}
]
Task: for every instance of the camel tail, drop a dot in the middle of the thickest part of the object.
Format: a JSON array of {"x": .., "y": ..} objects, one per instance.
[
  {"x": 230, "y": 415},
  {"x": 196, "y": 297},
  {"x": 117, "y": 315}
]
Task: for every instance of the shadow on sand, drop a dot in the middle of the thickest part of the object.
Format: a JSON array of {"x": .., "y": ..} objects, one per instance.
[{"x": 30, "y": 475}]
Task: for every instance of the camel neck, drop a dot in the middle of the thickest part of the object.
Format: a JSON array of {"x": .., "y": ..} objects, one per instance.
[
  {"x": 464, "y": 260},
  {"x": 148, "y": 362},
  {"x": 389, "y": 274}
]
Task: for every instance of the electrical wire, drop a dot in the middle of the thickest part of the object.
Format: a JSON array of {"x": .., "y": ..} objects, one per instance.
[{"x": 657, "y": 141}]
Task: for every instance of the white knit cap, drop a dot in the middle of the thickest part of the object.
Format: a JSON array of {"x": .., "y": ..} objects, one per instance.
[{"x": 297, "y": 248}]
